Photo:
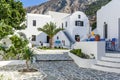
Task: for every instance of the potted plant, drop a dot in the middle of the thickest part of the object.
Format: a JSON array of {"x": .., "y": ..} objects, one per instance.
[{"x": 97, "y": 37}]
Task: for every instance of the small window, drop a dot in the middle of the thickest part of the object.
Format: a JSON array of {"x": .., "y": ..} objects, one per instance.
[
  {"x": 79, "y": 23},
  {"x": 34, "y": 22},
  {"x": 66, "y": 24},
  {"x": 79, "y": 16},
  {"x": 33, "y": 37}
]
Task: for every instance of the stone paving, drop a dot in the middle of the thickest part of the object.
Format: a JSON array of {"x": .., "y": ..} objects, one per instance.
[{"x": 63, "y": 70}]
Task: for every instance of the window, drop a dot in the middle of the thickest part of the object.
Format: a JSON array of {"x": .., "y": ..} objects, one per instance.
[
  {"x": 79, "y": 23},
  {"x": 79, "y": 16},
  {"x": 66, "y": 24},
  {"x": 34, "y": 22},
  {"x": 33, "y": 37}
]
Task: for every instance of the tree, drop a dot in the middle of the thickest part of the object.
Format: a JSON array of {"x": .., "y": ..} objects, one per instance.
[
  {"x": 50, "y": 29},
  {"x": 13, "y": 13},
  {"x": 27, "y": 55}
]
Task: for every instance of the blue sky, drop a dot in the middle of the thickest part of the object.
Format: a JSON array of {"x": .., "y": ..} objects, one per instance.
[{"x": 27, "y": 3}]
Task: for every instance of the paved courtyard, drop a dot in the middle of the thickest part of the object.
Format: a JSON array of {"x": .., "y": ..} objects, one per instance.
[
  {"x": 66, "y": 70},
  {"x": 63, "y": 70}
]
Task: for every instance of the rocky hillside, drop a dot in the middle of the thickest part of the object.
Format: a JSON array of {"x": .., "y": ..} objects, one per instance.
[{"x": 69, "y": 6}]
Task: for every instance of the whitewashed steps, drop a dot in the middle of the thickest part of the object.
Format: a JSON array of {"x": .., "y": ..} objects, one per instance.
[
  {"x": 113, "y": 55},
  {"x": 106, "y": 68},
  {"x": 114, "y": 59},
  {"x": 110, "y": 63}
]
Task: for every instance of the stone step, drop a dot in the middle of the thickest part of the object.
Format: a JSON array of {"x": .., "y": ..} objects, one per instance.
[
  {"x": 106, "y": 68},
  {"x": 109, "y": 63},
  {"x": 53, "y": 60},
  {"x": 53, "y": 57},
  {"x": 116, "y": 55},
  {"x": 114, "y": 59}
]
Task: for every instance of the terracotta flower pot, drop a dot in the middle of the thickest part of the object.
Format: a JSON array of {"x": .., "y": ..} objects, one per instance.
[{"x": 97, "y": 37}]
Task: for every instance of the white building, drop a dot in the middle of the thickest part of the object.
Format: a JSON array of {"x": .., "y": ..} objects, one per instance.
[
  {"x": 108, "y": 20},
  {"x": 75, "y": 25},
  {"x": 35, "y": 21}
]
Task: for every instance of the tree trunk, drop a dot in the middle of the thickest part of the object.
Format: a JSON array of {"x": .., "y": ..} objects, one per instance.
[
  {"x": 27, "y": 65},
  {"x": 51, "y": 42}
]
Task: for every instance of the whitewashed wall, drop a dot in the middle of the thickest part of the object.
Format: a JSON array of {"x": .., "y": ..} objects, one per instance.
[
  {"x": 57, "y": 17},
  {"x": 96, "y": 48},
  {"x": 77, "y": 30},
  {"x": 109, "y": 14},
  {"x": 12, "y": 62},
  {"x": 41, "y": 20}
]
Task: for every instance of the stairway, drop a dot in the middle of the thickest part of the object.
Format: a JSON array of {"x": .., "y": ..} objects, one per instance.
[
  {"x": 68, "y": 36},
  {"x": 110, "y": 63}
]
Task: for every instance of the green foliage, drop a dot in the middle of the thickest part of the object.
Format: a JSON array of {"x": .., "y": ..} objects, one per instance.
[
  {"x": 50, "y": 29},
  {"x": 12, "y": 12},
  {"x": 17, "y": 48},
  {"x": 28, "y": 54},
  {"x": 18, "y": 42},
  {"x": 94, "y": 25},
  {"x": 44, "y": 47},
  {"x": 79, "y": 53},
  {"x": 94, "y": 7},
  {"x": 5, "y": 30}
]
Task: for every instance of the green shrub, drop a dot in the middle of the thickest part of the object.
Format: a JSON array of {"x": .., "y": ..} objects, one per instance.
[
  {"x": 55, "y": 47},
  {"x": 79, "y": 53}
]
